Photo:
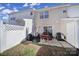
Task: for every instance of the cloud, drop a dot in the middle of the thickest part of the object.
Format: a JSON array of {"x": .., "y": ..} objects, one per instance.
[
  {"x": 5, "y": 17},
  {"x": 34, "y": 9},
  {"x": 15, "y": 9},
  {"x": 34, "y": 4},
  {"x": 7, "y": 11},
  {"x": 2, "y": 7},
  {"x": 38, "y": 3},
  {"x": 46, "y": 7},
  {"x": 25, "y": 5},
  {"x": 8, "y": 4}
]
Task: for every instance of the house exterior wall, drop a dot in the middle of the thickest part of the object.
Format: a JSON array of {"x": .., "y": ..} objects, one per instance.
[
  {"x": 73, "y": 11},
  {"x": 28, "y": 25},
  {"x": 54, "y": 20},
  {"x": 58, "y": 20},
  {"x": 19, "y": 16}
]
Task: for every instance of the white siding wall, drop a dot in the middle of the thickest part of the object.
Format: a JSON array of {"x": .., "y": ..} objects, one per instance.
[
  {"x": 19, "y": 16},
  {"x": 22, "y": 14},
  {"x": 29, "y": 25},
  {"x": 73, "y": 11}
]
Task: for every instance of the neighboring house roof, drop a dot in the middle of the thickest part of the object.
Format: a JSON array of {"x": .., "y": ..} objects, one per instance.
[
  {"x": 60, "y": 6},
  {"x": 22, "y": 14},
  {"x": 21, "y": 11}
]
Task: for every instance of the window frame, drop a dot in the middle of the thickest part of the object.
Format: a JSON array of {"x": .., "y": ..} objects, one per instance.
[
  {"x": 13, "y": 18},
  {"x": 44, "y": 14}
]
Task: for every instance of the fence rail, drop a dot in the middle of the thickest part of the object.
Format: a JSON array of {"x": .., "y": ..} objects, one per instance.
[
  {"x": 13, "y": 27},
  {"x": 11, "y": 35}
]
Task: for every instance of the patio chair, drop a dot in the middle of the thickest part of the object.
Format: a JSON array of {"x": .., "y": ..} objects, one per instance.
[
  {"x": 60, "y": 36},
  {"x": 29, "y": 37}
]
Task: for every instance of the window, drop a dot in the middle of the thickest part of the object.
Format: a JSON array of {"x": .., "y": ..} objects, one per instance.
[
  {"x": 64, "y": 11},
  {"x": 13, "y": 18},
  {"x": 31, "y": 13},
  {"x": 41, "y": 15},
  {"x": 48, "y": 29},
  {"x": 44, "y": 15}
]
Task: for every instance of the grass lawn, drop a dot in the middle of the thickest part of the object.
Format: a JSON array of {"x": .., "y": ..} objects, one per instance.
[
  {"x": 32, "y": 49},
  {"x": 22, "y": 50}
]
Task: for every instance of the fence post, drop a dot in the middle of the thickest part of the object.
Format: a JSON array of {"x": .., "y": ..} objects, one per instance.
[
  {"x": 0, "y": 34},
  {"x": 2, "y": 37}
]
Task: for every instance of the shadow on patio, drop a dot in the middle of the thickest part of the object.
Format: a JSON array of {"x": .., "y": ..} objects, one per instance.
[{"x": 55, "y": 51}]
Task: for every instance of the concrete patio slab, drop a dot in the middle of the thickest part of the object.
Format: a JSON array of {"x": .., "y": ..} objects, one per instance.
[
  {"x": 54, "y": 42},
  {"x": 65, "y": 44}
]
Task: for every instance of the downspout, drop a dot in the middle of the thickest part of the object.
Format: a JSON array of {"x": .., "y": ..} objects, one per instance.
[{"x": 34, "y": 25}]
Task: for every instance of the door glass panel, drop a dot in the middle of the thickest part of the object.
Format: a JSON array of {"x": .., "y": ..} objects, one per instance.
[{"x": 48, "y": 29}]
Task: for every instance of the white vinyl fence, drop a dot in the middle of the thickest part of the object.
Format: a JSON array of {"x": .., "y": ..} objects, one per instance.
[{"x": 11, "y": 35}]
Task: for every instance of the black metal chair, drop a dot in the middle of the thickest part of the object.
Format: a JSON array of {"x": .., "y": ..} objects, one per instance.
[
  {"x": 29, "y": 37},
  {"x": 59, "y": 36},
  {"x": 37, "y": 38}
]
